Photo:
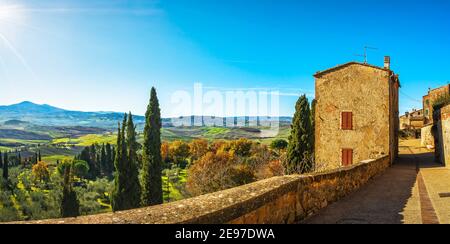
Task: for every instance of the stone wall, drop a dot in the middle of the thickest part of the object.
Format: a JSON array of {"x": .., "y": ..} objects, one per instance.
[
  {"x": 285, "y": 199},
  {"x": 366, "y": 92},
  {"x": 427, "y": 138},
  {"x": 443, "y": 136},
  {"x": 430, "y": 98}
]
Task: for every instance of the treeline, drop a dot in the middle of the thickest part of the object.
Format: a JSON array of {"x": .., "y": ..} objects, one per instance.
[
  {"x": 4, "y": 165},
  {"x": 100, "y": 159},
  {"x": 14, "y": 158},
  {"x": 11, "y": 159}
]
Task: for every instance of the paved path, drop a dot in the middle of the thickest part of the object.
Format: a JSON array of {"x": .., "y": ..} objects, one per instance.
[{"x": 413, "y": 191}]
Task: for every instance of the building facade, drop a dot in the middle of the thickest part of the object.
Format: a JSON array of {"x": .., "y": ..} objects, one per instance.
[
  {"x": 442, "y": 139},
  {"x": 357, "y": 114},
  {"x": 413, "y": 120},
  {"x": 429, "y": 99}
]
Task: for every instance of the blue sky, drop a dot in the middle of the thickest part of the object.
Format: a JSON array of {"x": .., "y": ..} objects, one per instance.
[{"x": 105, "y": 55}]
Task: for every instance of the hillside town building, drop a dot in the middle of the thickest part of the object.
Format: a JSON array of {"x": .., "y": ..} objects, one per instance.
[
  {"x": 413, "y": 120},
  {"x": 357, "y": 116},
  {"x": 429, "y": 99}
]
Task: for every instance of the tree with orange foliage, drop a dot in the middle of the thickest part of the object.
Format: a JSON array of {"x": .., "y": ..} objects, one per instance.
[
  {"x": 241, "y": 147},
  {"x": 217, "y": 171},
  {"x": 179, "y": 151},
  {"x": 40, "y": 172},
  {"x": 165, "y": 153},
  {"x": 216, "y": 145},
  {"x": 198, "y": 148}
]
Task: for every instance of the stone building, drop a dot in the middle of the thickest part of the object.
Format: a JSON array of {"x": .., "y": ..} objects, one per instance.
[
  {"x": 412, "y": 120},
  {"x": 357, "y": 114},
  {"x": 442, "y": 139},
  {"x": 429, "y": 99}
]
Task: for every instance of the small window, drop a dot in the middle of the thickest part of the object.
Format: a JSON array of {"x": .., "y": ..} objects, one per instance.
[
  {"x": 347, "y": 121},
  {"x": 347, "y": 157},
  {"x": 426, "y": 112},
  {"x": 427, "y": 102}
]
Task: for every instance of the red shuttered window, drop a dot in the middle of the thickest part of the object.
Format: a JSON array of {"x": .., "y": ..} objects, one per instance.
[
  {"x": 347, "y": 120},
  {"x": 347, "y": 157}
]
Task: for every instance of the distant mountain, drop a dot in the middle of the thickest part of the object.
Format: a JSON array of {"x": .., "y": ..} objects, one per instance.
[
  {"x": 29, "y": 107},
  {"x": 46, "y": 115},
  {"x": 18, "y": 115},
  {"x": 15, "y": 122}
]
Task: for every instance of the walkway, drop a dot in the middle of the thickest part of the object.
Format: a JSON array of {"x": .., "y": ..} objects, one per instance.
[{"x": 413, "y": 191}]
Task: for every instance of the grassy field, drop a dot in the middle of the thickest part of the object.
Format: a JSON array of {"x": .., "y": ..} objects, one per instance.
[
  {"x": 214, "y": 131},
  {"x": 4, "y": 148},
  {"x": 174, "y": 193},
  {"x": 7, "y": 144},
  {"x": 53, "y": 158},
  {"x": 87, "y": 140},
  {"x": 6, "y": 140}
]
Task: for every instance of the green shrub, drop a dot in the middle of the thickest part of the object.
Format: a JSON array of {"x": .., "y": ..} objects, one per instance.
[
  {"x": 80, "y": 168},
  {"x": 279, "y": 144}
]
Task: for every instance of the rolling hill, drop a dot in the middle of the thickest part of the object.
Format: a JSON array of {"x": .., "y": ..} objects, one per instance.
[
  {"x": 27, "y": 123},
  {"x": 47, "y": 115}
]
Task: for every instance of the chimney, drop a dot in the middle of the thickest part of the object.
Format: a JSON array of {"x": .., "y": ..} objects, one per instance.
[{"x": 387, "y": 62}]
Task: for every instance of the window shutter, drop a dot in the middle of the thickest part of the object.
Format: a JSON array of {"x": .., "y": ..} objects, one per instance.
[
  {"x": 347, "y": 157},
  {"x": 350, "y": 157},
  {"x": 347, "y": 120},
  {"x": 344, "y": 157},
  {"x": 344, "y": 120},
  {"x": 350, "y": 120}
]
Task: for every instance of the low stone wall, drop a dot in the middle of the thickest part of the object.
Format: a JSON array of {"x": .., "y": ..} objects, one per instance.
[
  {"x": 443, "y": 136},
  {"x": 285, "y": 199},
  {"x": 427, "y": 138}
]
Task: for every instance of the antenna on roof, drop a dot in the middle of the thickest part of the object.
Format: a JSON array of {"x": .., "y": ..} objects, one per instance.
[{"x": 365, "y": 53}]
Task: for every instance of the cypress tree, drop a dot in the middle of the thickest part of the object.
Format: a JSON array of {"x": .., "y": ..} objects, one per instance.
[
  {"x": 126, "y": 194},
  {"x": 39, "y": 155},
  {"x": 109, "y": 159},
  {"x": 134, "y": 187},
  {"x": 1, "y": 160},
  {"x": 300, "y": 146},
  {"x": 94, "y": 167},
  {"x": 151, "y": 158},
  {"x": 99, "y": 163},
  {"x": 5, "y": 166},
  {"x": 70, "y": 206},
  {"x": 113, "y": 149},
  {"x": 313, "y": 123},
  {"x": 103, "y": 163},
  {"x": 117, "y": 200}
]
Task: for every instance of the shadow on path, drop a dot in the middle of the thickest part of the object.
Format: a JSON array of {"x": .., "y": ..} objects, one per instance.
[{"x": 387, "y": 199}]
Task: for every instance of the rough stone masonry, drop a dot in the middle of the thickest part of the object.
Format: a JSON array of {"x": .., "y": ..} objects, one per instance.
[{"x": 356, "y": 114}]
